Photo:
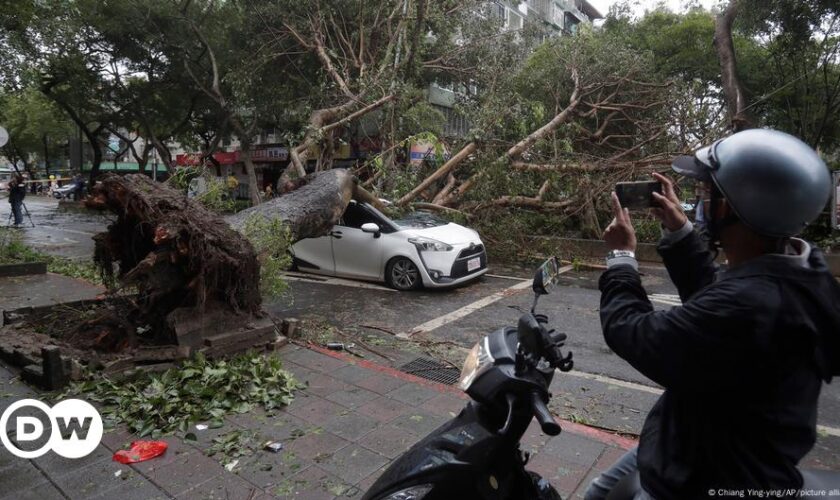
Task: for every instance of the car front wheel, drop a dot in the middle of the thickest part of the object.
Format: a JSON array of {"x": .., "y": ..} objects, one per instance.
[{"x": 402, "y": 274}]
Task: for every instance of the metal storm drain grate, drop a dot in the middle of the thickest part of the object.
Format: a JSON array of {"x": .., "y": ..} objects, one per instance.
[{"x": 430, "y": 369}]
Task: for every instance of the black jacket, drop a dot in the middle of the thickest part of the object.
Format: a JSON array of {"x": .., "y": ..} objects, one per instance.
[
  {"x": 17, "y": 193},
  {"x": 742, "y": 363}
]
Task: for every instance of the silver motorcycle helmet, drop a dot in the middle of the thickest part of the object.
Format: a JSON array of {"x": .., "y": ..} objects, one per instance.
[{"x": 775, "y": 183}]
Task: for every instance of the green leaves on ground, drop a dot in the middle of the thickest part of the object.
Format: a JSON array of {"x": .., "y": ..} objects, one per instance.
[
  {"x": 200, "y": 390},
  {"x": 233, "y": 445}
]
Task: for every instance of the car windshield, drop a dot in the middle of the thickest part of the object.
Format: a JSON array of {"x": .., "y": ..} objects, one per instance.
[{"x": 420, "y": 219}]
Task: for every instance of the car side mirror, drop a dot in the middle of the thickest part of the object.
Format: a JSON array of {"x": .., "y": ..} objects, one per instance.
[{"x": 372, "y": 228}]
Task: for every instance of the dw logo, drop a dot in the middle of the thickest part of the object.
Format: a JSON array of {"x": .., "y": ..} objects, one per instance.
[{"x": 75, "y": 428}]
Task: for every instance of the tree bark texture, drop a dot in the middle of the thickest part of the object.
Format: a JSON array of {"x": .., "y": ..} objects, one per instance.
[{"x": 736, "y": 101}]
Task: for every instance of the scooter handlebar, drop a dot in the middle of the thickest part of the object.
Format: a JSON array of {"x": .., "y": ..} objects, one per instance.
[{"x": 543, "y": 416}]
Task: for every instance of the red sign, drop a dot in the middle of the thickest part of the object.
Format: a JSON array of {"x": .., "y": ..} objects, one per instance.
[{"x": 194, "y": 159}]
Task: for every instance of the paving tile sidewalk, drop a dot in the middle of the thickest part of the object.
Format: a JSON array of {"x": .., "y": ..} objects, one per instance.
[{"x": 339, "y": 434}]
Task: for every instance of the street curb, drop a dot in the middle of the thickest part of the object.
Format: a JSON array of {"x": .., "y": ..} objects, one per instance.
[
  {"x": 593, "y": 433},
  {"x": 22, "y": 269}
]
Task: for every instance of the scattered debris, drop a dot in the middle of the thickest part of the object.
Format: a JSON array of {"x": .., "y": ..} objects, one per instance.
[
  {"x": 140, "y": 451},
  {"x": 201, "y": 390},
  {"x": 339, "y": 346},
  {"x": 201, "y": 427},
  {"x": 273, "y": 446}
]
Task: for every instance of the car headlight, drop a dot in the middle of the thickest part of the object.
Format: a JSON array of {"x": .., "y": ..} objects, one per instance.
[
  {"x": 429, "y": 245},
  {"x": 413, "y": 493},
  {"x": 478, "y": 361}
]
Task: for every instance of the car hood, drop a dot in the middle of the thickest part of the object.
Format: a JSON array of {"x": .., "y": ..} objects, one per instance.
[{"x": 451, "y": 234}]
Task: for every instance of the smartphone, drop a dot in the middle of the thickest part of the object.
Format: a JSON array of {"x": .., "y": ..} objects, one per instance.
[{"x": 634, "y": 195}]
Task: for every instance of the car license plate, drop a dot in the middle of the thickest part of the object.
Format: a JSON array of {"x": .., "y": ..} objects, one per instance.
[{"x": 473, "y": 264}]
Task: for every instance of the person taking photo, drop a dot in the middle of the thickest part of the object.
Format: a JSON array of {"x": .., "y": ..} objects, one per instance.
[
  {"x": 17, "y": 192},
  {"x": 742, "y": 361}
]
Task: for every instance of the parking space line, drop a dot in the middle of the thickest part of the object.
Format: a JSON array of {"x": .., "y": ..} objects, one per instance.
[
  {"x": 471, "y": 308},
  {"x": 614, "y": 381},
  {"x": 514, "y": 278},
  {"x": 824, "y": 429},
  {"x": 665, "y": 298}
]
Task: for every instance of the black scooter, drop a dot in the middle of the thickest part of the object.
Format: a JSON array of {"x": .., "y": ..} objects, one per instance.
[{"x": 476, "y": 455}]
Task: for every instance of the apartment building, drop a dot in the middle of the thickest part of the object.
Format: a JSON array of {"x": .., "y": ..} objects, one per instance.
[{"x": 557, "y": 17}]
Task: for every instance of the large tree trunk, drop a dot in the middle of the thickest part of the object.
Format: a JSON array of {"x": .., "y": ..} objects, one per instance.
[
  {"x": 312, "y": 209},
  {"x": 253, "y": 189},
  {"x": 97, "y": 161},
  {"x": 736, "y": 101},
  {"x": 46, "y": 155}
]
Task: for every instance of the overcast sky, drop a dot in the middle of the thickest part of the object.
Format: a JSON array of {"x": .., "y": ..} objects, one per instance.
[{"x": 603, "y": 6}]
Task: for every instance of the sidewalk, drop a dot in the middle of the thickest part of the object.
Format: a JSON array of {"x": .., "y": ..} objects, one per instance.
[{"x": 338, "y": 434}]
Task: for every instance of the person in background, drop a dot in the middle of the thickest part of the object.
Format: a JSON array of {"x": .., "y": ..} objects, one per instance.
[
  {"x": 78, "y": 191},
  {"x": 269, "y": 192},
  {"x": 232, "y": 184},
  {"x": 17, "y": 192}
]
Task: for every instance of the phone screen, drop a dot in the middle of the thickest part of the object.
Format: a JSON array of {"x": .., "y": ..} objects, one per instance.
[{"x": 635, "y": 195}]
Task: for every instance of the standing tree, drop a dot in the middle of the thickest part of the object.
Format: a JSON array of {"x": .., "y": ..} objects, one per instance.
[{"x": 37, "y": 129}]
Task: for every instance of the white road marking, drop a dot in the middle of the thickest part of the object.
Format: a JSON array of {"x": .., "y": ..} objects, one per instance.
[
  {"x": 471, "y": 308},
  {"x": 328, "y": 280},
  {"x": 823, "y": 429},
  {"x": 614, "y": 381},
  {"x": 514, "y": 278},
  {"x": 665, "y": 298},
  {"x": 831, "y": 431}
]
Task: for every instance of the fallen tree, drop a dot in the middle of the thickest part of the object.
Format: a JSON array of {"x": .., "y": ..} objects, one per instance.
[
  {"x": 313, "y": 207},
  {"x": 179, "y": 256}
]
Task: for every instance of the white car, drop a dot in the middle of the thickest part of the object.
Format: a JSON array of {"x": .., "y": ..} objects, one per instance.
[{"x": 419, "y": 250}]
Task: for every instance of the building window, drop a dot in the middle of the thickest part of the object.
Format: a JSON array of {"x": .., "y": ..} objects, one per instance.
[{"x": 515, "y": 21}]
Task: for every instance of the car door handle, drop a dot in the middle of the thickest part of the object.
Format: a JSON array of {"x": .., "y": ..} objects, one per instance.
[{"x": 336, "y": 234}]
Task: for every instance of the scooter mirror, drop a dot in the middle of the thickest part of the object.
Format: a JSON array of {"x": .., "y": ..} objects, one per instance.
[{"x": 546, "y": 276}]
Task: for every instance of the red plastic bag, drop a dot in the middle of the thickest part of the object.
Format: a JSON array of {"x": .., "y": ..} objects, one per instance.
[{"x": 140, "y": 451}]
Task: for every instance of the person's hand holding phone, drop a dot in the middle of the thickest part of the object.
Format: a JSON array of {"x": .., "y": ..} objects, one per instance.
[
  {"x": 620, "y": 234},
  {"x": 670, "y": 212}
]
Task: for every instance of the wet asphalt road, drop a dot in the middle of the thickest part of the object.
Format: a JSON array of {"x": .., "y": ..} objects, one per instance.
[
  {"x": 594, "y": 393},
  {"x": 572, "y": 308},
  {"x": 64, "y": 232}
]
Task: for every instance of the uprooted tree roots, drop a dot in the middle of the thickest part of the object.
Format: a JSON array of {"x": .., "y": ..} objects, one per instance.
[{"x": 175, "y": 253}]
